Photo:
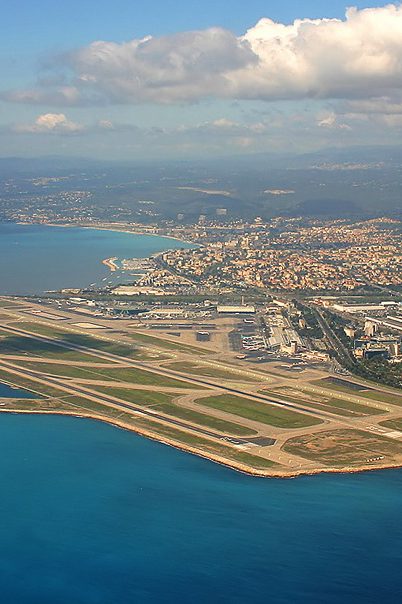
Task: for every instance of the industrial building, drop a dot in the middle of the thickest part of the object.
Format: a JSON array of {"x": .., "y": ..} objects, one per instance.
[{"x": 235, "y": 310}]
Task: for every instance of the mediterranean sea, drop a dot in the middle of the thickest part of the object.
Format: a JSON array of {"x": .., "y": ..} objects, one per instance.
[
  {"x": 9, "y": 392},
  {"x": 92, "y": 514},
  {"x": 36, "y": 258}
]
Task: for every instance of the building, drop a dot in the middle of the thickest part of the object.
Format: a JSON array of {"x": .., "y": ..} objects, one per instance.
[
  {"x": 376, "y": 353},
  {"x": 370, "y": 328},
  {"x": 203, "y": 336},
  {"x": 390, "y": 322},
  {"x": 236, "y": 310},
  {"x": 358, "y": 308},
  {"x": 377, "y": 346},
  {"x": 293, "y": 347},
  {"x": 350, "y": 332}
]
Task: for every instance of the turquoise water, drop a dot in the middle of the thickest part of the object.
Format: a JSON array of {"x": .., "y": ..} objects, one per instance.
[
  {"x": 36, "y": 258},
  {"x": 8, "y": 392},
  {"x": 96, "y": 515}
]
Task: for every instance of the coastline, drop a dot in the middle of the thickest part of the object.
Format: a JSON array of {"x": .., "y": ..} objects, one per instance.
[
  {"x": 231, "y": 465},
  {"x": 111, "y": 229},
  {"x": 162, "y": 243}
]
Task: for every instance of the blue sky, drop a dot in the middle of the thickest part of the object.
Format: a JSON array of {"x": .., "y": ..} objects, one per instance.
[
  {"x": 44, "y": 24},
  {"x": 216, "y": 113}
]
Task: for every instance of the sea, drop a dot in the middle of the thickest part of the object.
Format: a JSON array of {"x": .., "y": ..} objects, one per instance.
[
  {"x": 92, "y": 514},
  {"x": 11, "y": 392},
  {"x": 39, "y": 258}
]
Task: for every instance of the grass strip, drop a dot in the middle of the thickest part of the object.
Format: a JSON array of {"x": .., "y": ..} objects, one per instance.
[
  {"x": 130, "y": 375},
  {"x": 263, "y": 413},
  {"x": 203, "y": 370},
  {"x": 208, "y": 421},
  {"x": 372, "y": 394},
  {"x": 331, "y": 404}
]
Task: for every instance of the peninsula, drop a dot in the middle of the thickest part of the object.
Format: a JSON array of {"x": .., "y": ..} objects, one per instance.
[{"x": 200, "y": 396}]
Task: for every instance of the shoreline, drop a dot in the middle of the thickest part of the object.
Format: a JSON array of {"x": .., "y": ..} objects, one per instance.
[
  {"x": 110, "y": 262},
  {"x": 108, "y": 228},
  {"x": 237, "y": 467}
]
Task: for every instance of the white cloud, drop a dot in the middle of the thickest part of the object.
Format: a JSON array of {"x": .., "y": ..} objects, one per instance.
[
  {"x": 359, "y": 57},
  {"x": 106, "y": 124},
  {"x": 225, "y": 128},
  {"x": 223, "y": 122},
  {"x": 327, "y": 58},
  {"x": 50, "y": 123},
  {"x": 331, "y": 121}
]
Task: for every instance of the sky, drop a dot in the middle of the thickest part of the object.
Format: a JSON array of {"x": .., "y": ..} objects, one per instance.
[{"x": 138, "y": 79}]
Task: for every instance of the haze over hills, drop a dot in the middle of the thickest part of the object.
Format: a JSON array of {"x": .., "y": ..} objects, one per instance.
[{"x": 355, "y": 182}]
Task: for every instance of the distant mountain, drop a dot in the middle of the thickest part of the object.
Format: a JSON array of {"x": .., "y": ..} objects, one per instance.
[
  {"x": 34, "y": 165},
  {"x": 389, "y": 155},
  {"x": 335, "y": 183},
  {"x": 372, "y": 155}
]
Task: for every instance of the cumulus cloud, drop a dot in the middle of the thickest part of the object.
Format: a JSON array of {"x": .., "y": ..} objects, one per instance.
[
  {"x": 180, "y": 67},
  {"x": 50, "y": 123},
  {"x": 359, "y": 57},
  {"x": 332, "y": 122},
  {"x": 327, "y": 58}
]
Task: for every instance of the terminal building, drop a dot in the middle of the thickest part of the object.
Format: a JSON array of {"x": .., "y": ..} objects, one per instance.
[
  {"x": 358, "y": 308},
  {"x": 235, "y": 310}
]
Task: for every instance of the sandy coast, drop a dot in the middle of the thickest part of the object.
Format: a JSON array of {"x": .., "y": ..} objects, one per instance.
[{"x": 112, "y": 229}]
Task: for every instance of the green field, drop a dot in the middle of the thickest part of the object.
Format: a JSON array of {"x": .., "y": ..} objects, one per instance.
[
  {"x": 39, "y": 328},
  {"x": 260, "y": 412},
  {"x": 77, "y": 339},
  {"x": 163, "y": 403},
  {"x": 24, "y": 345},
  {"x": 374, "y": 395},
  {"x": 330, "y": 404},
  {"x": 204, "y": 370},
  {"x": 134, "y": 395},
  {"x": 394, "y": 424},
  {"x": 130, "y": 375},
  {"x": 208, "y": 421}
]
